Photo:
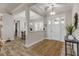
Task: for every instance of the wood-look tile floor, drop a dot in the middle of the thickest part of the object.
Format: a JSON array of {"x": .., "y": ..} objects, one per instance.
[
  {"x": 43, "y": 48},
  {"x": 15, "y": 48},
  {"x": 48, "y": 48}
]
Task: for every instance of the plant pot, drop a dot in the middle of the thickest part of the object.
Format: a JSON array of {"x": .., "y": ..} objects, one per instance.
[{"x": 70, "y": 37}]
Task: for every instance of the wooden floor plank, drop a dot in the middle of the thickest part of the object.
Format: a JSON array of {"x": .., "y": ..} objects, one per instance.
[
  {"x": 43, "y": 48},
  {"x": 48, "y": 47}
]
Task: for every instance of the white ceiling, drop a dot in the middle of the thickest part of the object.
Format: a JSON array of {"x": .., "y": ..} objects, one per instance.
[
  {"x": 58, "y": 7},
  {"x": 8, "y": 7},
  {"x": 33, "y": 16},
  {"x": 20, "y": 15},
  {"x": 39, "y": 8}
]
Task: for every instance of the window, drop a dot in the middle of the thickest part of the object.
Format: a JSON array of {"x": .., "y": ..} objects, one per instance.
[
  {"x": 38, "y": 26},
  {"x": 36, "y": 21}
]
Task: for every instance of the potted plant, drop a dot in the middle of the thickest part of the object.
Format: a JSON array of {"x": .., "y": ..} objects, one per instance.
[{"x": 70, "y": 29}]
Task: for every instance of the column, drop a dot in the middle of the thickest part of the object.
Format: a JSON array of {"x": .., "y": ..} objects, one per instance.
[
  {"x": 27, "y": 20},
  {"x": 45, "y": 26},
  {"x": 27, "y": 13}
]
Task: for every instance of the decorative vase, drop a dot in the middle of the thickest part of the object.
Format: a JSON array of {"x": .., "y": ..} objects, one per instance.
[{"x": 70, "y": 37}]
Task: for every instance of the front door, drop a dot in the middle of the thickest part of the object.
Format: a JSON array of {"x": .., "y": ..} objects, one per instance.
[{"x": 56, "y": 29}]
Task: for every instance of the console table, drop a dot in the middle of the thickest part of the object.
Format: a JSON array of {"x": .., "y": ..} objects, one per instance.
[{"x": 72, "y": 42}]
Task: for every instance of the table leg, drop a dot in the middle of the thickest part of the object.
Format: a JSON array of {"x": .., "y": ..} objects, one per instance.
[
  {"x": 77, "y": 49},
  {"x": 65, "y": 48}
]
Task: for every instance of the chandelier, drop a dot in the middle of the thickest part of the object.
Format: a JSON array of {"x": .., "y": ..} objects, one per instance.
[{"x": 52, "y": 10}]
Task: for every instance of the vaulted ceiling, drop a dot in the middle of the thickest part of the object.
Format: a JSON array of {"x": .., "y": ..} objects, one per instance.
[
  {"x": 38, "y": 8},
  {"x": 57, "y": 7}
]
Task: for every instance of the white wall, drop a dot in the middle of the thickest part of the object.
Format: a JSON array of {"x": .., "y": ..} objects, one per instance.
[
  {"x": 68, "y": 17},
  {"x": 8, "y": 27},
  {"x": 31, "y": 37},
  {"x": 76, "y": 33},
  {"x": 76, "y": 10},
  {"x": 22, "y": 26},
  {"x": 34, "y": 37},
  {"x": 22, "y": 21},
  {"x": 21, "y": 18},
  {"x": 55, "y": 31}
]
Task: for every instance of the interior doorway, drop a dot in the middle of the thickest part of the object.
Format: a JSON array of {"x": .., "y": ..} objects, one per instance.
[{"x": 17, "y": 29}]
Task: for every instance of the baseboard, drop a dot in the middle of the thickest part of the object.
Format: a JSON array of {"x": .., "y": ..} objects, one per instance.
[
  {"x": 56, "y": 40},
  {"x": 33, "y": 43},
  {"x": 38, "y": 41}
]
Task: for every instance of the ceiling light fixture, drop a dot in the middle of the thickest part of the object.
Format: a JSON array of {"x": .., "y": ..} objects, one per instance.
[{"x": 52, "y": 11}]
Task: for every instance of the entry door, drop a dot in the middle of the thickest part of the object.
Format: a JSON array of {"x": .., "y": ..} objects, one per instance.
[{"x": 56, "y": 29}]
